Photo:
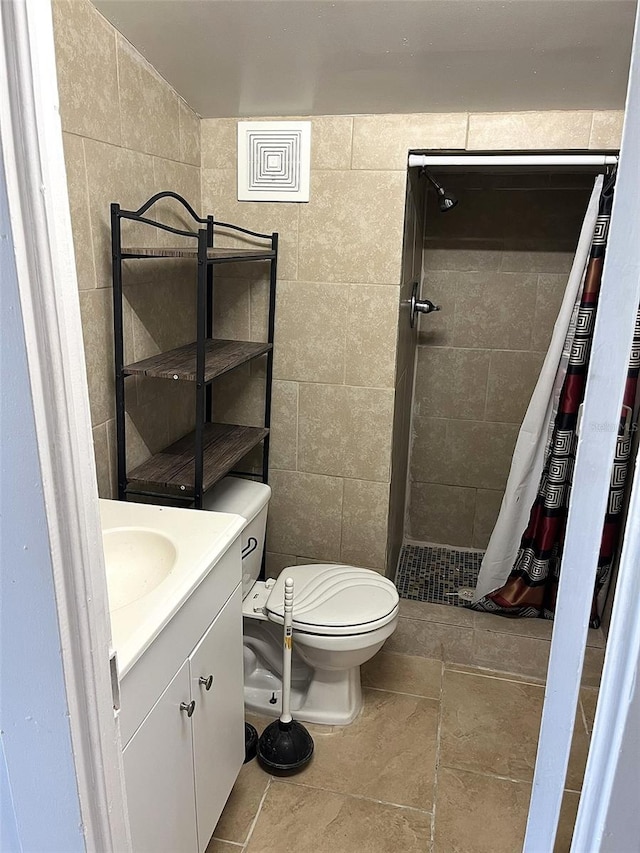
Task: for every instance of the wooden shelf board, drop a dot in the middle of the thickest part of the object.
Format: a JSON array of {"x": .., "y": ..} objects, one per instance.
[
  {"x": 220, "y": 357},
  {"x": 213, "y": 255},
  {"x": 174, "y": 467}
]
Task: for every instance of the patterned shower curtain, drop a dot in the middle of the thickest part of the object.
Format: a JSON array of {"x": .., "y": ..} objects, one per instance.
[{"x": 531, "y": 587}]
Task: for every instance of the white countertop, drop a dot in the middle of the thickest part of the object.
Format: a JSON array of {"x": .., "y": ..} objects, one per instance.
[{"x": 187, "y": 542}]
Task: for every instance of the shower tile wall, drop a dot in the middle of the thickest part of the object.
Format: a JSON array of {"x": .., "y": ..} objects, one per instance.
[
  {"x": 127, "y": 135},
  {"x": 498, "y": 265}
]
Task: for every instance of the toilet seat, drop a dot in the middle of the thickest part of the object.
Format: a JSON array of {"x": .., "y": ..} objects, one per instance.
[{"x": 335, "y": 600}]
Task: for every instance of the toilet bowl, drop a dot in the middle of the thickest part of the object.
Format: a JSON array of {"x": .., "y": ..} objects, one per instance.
[{"x": 342, "y": 615}]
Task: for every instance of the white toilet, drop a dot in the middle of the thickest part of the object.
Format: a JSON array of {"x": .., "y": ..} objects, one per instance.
[{"x": 341, "y": 617}]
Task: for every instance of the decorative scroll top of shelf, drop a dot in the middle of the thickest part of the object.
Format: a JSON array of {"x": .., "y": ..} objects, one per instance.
[{"x": 214, "y": 254}]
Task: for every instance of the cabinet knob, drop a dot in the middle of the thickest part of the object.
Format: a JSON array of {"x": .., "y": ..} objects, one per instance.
[
  {"x": 189, "y": 707},
  {"x": 206, "y": 682}
]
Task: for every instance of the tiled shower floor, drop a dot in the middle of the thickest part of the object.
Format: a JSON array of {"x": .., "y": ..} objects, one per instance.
[{"x": 435, "y": 573}]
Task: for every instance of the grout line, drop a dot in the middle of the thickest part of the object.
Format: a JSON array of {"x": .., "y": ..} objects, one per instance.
[
  {"x": 487, "y": 775},
  {"x": 437, "y": 764},
  {"x": 257, "y": 815},
  {"x": 352, "y": 795},
  {"x": 401, "y": 692},
  {"x": 511, "y": 678}
]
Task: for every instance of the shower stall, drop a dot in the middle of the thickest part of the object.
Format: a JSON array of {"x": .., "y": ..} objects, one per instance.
[{"x": 496, "y": 236}]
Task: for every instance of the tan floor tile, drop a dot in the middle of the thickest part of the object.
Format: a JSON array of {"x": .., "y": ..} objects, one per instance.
[
  {"x": 479, "y": 814},
  {"x": 490, "y": 725},
  {"x": 243, "y": 804},
  {"x": 295, "y": 819},
  {"x": 566, "y": 823},
  {"x": 589, "y": 698},
  {"x": 216, "y": 846},
  {"x": 491, "y": 673},
  {"x": 429, "y": 612},
  {"x": 403, "y": 674},
  {"x": 376, "y": 755}
]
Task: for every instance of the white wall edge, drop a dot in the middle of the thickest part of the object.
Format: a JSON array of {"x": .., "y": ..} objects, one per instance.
[{"x": 41, "y": 226}]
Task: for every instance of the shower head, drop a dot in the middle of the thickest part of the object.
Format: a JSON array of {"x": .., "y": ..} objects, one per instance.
[{"x": 445, "y": 200}]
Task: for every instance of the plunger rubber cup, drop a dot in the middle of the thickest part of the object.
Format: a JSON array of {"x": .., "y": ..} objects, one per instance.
[{"x": 285, "y": 747}]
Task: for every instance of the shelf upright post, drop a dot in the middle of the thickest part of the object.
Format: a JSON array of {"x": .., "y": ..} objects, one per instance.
[
  {"x": 269, "y": 378},
  {"x": 210, "y": 274},
  {"x": 116, "y": 264},
  {"x": 201, "y": 322}
]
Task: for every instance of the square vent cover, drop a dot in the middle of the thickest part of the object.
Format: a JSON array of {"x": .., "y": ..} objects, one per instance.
[{"x": 274, "y": 160}]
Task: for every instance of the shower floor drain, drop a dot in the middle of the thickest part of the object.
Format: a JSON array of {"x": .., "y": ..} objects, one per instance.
[{"x": 438, "y": 574}]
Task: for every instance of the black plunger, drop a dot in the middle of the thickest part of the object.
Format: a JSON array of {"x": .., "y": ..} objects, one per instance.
[{"x": 285, "y": 746}]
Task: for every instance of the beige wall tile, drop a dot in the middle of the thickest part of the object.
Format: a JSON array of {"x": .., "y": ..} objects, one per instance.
[
  {"x": 162, "y": 313},
  {"x": 334, "y": 822},
  {"x": 429, "y": 462},
  {"x": 103, "y": 462},
  {"x": 331, "y": 142},
  {"x": 238, "y": 398},
  {"x": 442, "y": 514},
  {"x": 219, "y": 197},
  {"x": 543, "y": 130},
  {"x": 365, "y": 510},
  {"x": 79, "y": 208},
  {"x": 432, "y": 640},
  {"x": 231, "y": 308},
  {"x": 185, "y": 180},
  {"x": 97, "y": 327},
  {"x": 451, "y": 383},
  {"x": 384, "y": 141},
  {"x": 111, "y": 446},
  {"x": 305, "y": 515},
  {"x": 149, "y": 106},
  {"x": 482, "y": 453},
  {"x": 556, "y": 261},
  {"x": 512, "y": 378},
  {"x": 352, "y": 228},
  {"x": 189, "y": 134},
  {"x": 116, "y": 175},
  {"x": 179, "y": 402},
  {"x": 494, "y": 311},
  {"x": 403, "y": 674},
  {"x": 284, "y": 425},
  {"x": 549, "y": 296},
  {"x": 87, "y": 71},
  {"x": 453, "y": 257},
  {"x": 311, "y": 328},
  {"x": 371, "y": 333},
  {"x": 345, "y": 431},
  {"x": 146, "y": 433},
  {"x": 511, "y": 653},
  {"x": 488, "y": 803},
  {"x": 488, "y": 504},
  {"x": 277, "y": 562},
  {"x": 219, "y": 141},
  {"x": 606, "y": 130}
]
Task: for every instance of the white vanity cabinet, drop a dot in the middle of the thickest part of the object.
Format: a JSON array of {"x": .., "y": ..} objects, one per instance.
[{"x": 184, "y": 749}]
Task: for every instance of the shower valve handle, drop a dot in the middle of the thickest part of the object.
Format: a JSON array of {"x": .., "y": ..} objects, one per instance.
[{"x": 420, "y": 306}]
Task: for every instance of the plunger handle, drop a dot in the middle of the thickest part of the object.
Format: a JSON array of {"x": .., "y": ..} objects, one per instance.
[{"x": 286, "y": 717}]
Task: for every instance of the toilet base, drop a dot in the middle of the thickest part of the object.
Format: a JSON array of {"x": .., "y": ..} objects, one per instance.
[{"x": 329, "y": 697}]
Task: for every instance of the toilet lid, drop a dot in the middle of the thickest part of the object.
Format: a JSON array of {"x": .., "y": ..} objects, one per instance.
[{"x": 334, "y": 599}]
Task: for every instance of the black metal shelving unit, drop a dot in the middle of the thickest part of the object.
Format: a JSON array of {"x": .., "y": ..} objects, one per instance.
[{"x": 188, "y": 467}]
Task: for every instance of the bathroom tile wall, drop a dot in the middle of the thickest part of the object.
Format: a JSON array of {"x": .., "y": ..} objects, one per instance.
[
  {"x": 344, "y": 358},
  {"x": 127, "y": 135},
  {"x": 498, "y": 265}
]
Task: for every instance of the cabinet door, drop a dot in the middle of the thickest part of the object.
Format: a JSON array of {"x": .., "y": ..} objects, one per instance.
[
  {"x": 158, "y": 767},
  {"x": 218, "y": 721}
]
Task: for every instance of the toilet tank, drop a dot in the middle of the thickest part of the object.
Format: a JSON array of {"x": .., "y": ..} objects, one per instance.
[{"x": 250, "y": 500}]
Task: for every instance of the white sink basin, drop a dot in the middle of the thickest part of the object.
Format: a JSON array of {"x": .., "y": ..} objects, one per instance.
[
  {"x": 137, "y": 559},
  {"x": 155, "y": 557}
]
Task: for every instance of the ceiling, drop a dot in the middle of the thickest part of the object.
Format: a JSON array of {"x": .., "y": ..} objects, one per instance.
[{"x": 310, "y": 57}]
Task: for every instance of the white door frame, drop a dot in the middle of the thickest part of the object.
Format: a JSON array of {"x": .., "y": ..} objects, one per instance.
[
  {"x": 31, "y": 140},
  {"x": 612, "y": 340}
]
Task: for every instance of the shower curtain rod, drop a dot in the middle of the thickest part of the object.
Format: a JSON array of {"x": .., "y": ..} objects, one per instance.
[{"x": 513, "y": 160}]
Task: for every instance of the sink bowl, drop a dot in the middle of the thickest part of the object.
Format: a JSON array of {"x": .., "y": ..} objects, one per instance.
[{"x": 137, "y": 560}]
